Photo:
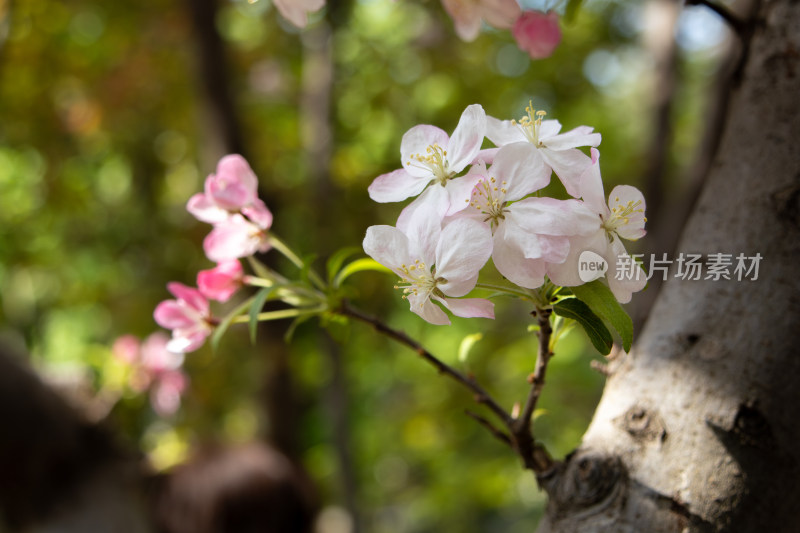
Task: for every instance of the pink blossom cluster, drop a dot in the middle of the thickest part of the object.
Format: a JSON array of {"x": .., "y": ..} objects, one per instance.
[
  {"x": 473, "y": 204},
  {"x": 153, "y": 367},
  {"x": 535, "y": 32},
  {"x": 240, "y": 221}
]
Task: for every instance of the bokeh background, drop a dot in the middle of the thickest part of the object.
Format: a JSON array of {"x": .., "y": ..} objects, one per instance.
[{"x": 113, "y": 113}]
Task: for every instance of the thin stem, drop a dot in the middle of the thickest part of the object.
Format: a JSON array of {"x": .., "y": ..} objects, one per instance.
[
  {"x": 258, "y": 282},
  {"x": 281, "y": 247},
  {"x": 502, "y": 437},
  {"x": 277, "y": 315},
  {"x": 542, "y": 358},
  {"x": 505, "y": 290},
  {"x": 481, "y": 395}
]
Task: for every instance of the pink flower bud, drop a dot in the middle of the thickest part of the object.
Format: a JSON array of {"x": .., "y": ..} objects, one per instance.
[
  {"x": 220, "y": 282},
  {"x": 537, "y": 33}
]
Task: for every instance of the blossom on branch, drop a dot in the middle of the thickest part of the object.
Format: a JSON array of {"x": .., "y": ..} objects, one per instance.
[
  {"x": 623, "y": 217},
  {"x": 435, "y": 264},
  {"x": 188, "y": 316},
  {"x": 220, "y": 282},
  {"x": 537, "y": 33},
  {"x": 468, "y": 14},
  {"x": 559, "y": 150}
]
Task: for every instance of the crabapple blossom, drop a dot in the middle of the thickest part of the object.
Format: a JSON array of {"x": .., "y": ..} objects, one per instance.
[
  {"x": 440, "y": 264},
  {"x": 235, "y": 237},
  {"x": 559, "y": 150},
  {"x": 467, "y": 15},
  {"x": 537, "y": 33},
  {"x": 155, "y": 367},
  {"x": 188, "y": 316},
  {"x": 622, "y": 217},
  {"x": 233, "y": 189},
  {"x": 430, "y": 157},
  {"x": 527, "y": 232},
  {"x": 296, "y": 11},
  {"x": 220, "y": 282}
]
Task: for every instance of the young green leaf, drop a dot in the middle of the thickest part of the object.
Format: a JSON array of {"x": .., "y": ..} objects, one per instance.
[
  {"x": 466, "y": 345},
  {"x": 336, "y": 261},
  {"x": 591, "y": 323},
  {"x": 258, "y": 303},
  {"x": 359, "y": 265},
  {"x": 601, "y": 300}
]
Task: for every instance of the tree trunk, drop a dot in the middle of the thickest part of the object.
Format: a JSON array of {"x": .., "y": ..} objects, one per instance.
[{"x": 697, "y": 428}]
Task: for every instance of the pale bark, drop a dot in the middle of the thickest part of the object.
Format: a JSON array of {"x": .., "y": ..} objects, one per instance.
[{"x": 697, "y": 428}]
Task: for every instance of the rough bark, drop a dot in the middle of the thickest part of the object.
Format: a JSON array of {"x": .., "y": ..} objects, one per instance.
[{"x": 697, "y": 428}]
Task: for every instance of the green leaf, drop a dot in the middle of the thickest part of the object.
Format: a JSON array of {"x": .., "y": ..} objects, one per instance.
[
  {"x": 226, "y": 322},
  {"x": 591, "y": 323},
  {"x": 360, "y": 265},
  {"x": 336, "y": 261},
  {"x": 258, "y": 303},
  {"x": 466, "y": 345},
  {"x": 601, "y": 300},
  {"x": 287, "y": 337}
]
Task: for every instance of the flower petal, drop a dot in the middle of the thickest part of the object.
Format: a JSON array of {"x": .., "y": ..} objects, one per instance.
[
  {"x": 468, "y": 307},
  {"x": 566, "y": 273},
  {"x": 257, "y": 212},
  {"x": 591, "y": 186},
  {"x": 415, "y": 142},
  {"x": 464, "y": 247},
  {"x": 521, "y": 169},
  {"x": 580, "y": 136},
  {"x": 170, "y": 314},
  {"x": 204, "y": 209},
  {"x": 511, "y": 262},
  {"x": 467, "y": 138},
  {"x": 568, "y": 165},
  {"x": 397, "y": 186},
  {"x": 422, "y": 305},
  {"x": 503, "y": 132},
  {"x": 623, "y": 287},
  {"x": 234, "y": 238},
  {"x": 191, "y": 296},
  {"x": 631, "y": 199},
  {"x": 388, "y": 246},
  {"x": 549, "y": 216}
]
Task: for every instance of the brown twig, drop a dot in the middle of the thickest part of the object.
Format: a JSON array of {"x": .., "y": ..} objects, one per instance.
[
  {"x": 494, "y": 430},
  {"x": 481, "y": 395}
]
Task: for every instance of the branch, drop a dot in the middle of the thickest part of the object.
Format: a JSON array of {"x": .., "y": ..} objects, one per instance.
[
  {"x": 502, "y": 437},
  {"x": 481, "y": 395}
]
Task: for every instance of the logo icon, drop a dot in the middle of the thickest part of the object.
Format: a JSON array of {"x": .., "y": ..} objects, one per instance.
[{"x": 591, "y": 266}]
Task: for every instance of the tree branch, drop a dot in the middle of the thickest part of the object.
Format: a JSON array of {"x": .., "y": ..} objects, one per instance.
[{"x": 481, "y": 395}]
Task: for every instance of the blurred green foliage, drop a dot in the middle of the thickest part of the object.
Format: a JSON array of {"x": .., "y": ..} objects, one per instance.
[{"x": 105, "y": 133}]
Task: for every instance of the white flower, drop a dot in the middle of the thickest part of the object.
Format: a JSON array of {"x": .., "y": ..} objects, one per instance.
[
  {"x": 559, "y": 150},
  {"x": 430, "y": 157},
  {"x": 622, "y": 217},
  {"x": 435, "y": 264},
  {"x": 528, "y": 233}
]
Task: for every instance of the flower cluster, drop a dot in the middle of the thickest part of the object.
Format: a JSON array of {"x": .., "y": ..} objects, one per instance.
[
  {"x": 240, "y": 221},
  {"x": 155, "y": 367},
  {"x": 536, "y": 33},
  {"x": 473, "y": 204}
]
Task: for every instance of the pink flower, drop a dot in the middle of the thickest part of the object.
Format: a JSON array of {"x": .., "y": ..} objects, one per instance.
[
  {"x": 233, "y": 189},
  {"x": 537, "y": 33},
  {"x": 220, "y": 282},
  {"x": 467, "y": 15},
  {"x": 234, "y": 238},
  {"x": 188, "y": 317},
  {"x": 156, "y": 367}
]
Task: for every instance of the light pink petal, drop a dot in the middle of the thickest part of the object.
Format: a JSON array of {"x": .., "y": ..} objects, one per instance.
[
  {"x": 192, "y": 297},
  {"x": 170, "y": 314},
  {"x": 415, "y": 142},
  {"x": 548, "y": 129},
  {"x": 625, "y": 196},
  {"x": 537, "y": 33},
  {"x": 155, "y": 356},
  {"x": 526, "y": 242},
  {"x": 554, "y": 249},
  {"x": 467, "y": 138},
  {"x": 591, "y": 186},
  {"x": 580, "y": 136},
  {"x": 500, "y": 14},
  {"x": 430, "y": 312},
  {"x": 464, "y": 247},
  {"x": 388, "y": 246},
  {"x": 459, "y": 190},
  {"x": 468, "y": 307},
  {"x": 519, "y": 169},
  {"x": 397, "y": 186},
  {"x": 511, "y": 262},
  {"x": 466, "y": 18},
  {"x": 569, "y": 166},
  {"x": 622, "y": 288},
  {"x": 234, "y": 169},
  {"x": 553, "y": 217},
  {"x": 234, "y": 238},
  {"x": 204, "y": 209},
  {"x": 421, "y": 221},
  {"x": 187, "y": 340},
  {"x": 258, "y": 213},
  {"x": 222, "y": 281},
  {"x": 126, "y": 348},
  {"x": 566, "y": 273},
  {"x": 502, "y": 132},
  {"x": 485, "y": 155}
]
